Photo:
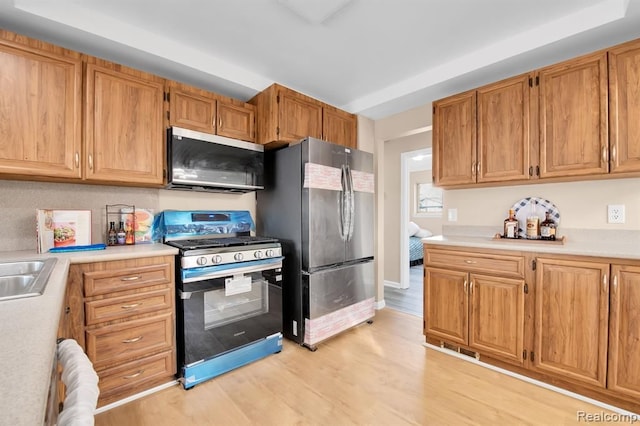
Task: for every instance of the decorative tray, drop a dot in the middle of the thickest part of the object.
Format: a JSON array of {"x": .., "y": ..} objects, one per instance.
[{"x": 558, "y": 240}]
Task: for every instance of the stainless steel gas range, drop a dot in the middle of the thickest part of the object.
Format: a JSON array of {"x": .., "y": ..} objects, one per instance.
[{"x": 228, "y": 291}]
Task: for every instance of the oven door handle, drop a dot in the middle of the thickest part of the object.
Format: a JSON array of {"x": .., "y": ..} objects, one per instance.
[{"x": 201, "y": 274}]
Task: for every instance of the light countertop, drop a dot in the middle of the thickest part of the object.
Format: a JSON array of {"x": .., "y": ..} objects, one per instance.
[
  {"x": 594, "y": 243},
  {"x": 29, "y": 330}
]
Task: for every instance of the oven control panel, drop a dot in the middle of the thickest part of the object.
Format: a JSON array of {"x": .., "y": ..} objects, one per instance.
[{"x": 222, "y": 258}]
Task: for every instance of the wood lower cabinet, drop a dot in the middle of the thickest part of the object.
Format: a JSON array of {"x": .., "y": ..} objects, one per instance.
[
  {"x": 624, "y": 331},
  {"x": 568, "y": 320},
  {"x": 40, "y": 108},
  {"x": 123, "y": 127},
  {"x": 483, "y": 312},
  {"x": 286, "y": 116},
  {"x": 202, "y": 111},
  {"x": 572, "y": 308},
  {"x": 126, "y": 323}
]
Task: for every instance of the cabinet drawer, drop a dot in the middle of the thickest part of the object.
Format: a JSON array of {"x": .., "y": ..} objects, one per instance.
[
  {"x": 129, "y": 339},
  {"x": 475, "y": 262},
  {"x": 107, "y": 281},
  {"x": 132, "y": 375},
  {"x": 115, "y": 308}
]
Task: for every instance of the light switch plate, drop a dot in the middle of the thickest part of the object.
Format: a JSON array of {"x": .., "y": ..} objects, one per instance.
[
  {"x": 452, "y": 215},
  {"x": 615, "y": 213}
]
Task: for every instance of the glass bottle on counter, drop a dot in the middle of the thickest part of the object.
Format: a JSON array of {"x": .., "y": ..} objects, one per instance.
[
  {"x": 511, "y": 225},
  {"x": 129, "y": 235},
  {"x": 533, "y": 224},
  {"x": 548, "y": 228},
  {"x": 121, "y": 235},
  {"x": 112, "y": 237}
]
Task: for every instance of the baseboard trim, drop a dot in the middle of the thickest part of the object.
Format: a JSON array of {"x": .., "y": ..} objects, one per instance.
[
  {"x": 380, "y": 304},
  {"x": 536, "y": 382},
  {"x": 134, "y": 397},
  {"x": 392, "y": 284}
]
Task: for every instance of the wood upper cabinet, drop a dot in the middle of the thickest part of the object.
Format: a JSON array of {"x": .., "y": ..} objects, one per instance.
[
  {"x": 573, "y": 117},
  {"x": 454, "y": 140},
  {"x": 624, "y": 331},
  {"x": 123, "y": 126},
  {"x": 571, "y": 320},
  {"x": 197, "y": 109},
  {"x": 482, "y": 311},
  {"x": 504, "y": 139},
  {"x": 40, "y": 108},
  {"x": 339, "y": 127},
  {"x": 624, "y": 107},
  {"x": 286, "y": 116}
]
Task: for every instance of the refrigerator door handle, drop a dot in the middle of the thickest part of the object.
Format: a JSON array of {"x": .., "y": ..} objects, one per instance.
[
  {"x": 342, "y": 205},
  {"x": 350, "y": 204}
]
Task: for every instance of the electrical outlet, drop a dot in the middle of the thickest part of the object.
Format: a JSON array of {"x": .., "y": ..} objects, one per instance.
[{"x": 615, "y": 213}]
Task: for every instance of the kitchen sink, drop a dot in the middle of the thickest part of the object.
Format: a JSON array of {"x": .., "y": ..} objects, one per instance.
[{"x": 26, "y": 278}]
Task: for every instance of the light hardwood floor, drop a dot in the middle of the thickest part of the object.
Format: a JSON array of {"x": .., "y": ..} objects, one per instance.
[
  {"x": 378, "y": 374},
  {"x": 409, "y": 300}
]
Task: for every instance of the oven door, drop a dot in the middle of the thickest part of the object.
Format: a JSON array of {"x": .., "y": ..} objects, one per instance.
[{"x": 222, "y": 308}]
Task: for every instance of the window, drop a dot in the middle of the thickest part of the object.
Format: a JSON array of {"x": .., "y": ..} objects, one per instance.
[{"x": 428, "y": 200}]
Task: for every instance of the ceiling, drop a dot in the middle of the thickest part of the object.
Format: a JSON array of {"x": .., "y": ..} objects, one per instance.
[{"x": 375, "y": 58}]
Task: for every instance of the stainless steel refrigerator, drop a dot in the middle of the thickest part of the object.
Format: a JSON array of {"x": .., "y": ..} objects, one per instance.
[{"x": 319, "y": 202}]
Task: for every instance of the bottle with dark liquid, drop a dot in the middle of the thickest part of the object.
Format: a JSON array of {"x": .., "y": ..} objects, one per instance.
[
  {"x": 548, "y": 228},
  {"x": 121, "y": 235},
  {"x": 112, "y": 237},
  {"x": 511, "y": 225}
]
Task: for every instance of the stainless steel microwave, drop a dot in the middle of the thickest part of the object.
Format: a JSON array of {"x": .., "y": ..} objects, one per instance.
[{"x": 203, "y": 162}]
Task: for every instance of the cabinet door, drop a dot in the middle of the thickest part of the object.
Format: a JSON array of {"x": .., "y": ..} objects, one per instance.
[
  {"x": 298, "y": 116},
  {"x": 571, "y": 320},
  {"x": 624, "y": 331},
  {"x": 446, "y": 305},
  {"x": 236, "y": 120},
  {"x": 40, "y": 108},
  {"x": 124, "y": 134},
  {"x": 339, "y": 127},
  {"x": 454, "y": 140},
  {"x": 624, "y": 107},
  {"x": 192, "y": 109},
  {"x": 503, "y": 130},
  {"x": 496, "y": 318},
  {"x": 573, "y": 117}
]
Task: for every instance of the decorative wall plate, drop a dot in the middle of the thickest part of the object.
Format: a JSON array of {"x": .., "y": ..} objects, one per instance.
[{"x": 527, "y": 206}]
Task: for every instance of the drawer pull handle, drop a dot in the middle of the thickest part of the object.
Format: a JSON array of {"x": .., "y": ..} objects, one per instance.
[
  {"x": 470, "y": 262},
  {"x": 133, "y": 376},
  {"x": 136, "y": 277},
  {"x": 135, "y": 339},
  {"x": 133, "y": 305}
]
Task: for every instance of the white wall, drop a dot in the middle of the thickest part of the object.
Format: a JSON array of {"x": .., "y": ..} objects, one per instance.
[{"x": 582, "y": 205}]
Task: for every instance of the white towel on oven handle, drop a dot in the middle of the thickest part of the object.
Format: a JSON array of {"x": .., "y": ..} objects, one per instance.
[{"x": 81, "y": 383}]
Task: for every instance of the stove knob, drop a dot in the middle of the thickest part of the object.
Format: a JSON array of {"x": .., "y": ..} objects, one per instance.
[
  {"x": 258, "y": 254},
  {"x": 238, "y": 257},
  {"x": 269, "y": 253},
  {"x": 216, "y": 259},
  {"x": 201, "y": 261}
]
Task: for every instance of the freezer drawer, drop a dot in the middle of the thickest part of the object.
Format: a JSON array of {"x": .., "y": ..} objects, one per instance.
[{"x": 329, "y": 290}]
